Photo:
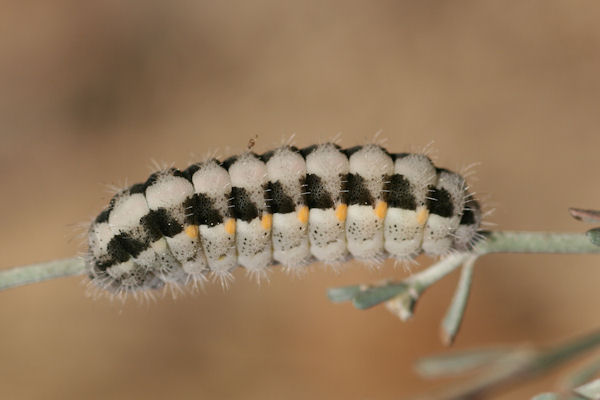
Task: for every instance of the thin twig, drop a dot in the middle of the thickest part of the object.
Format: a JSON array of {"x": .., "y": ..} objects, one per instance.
[
  {"x": 41, "y": 272},
  {"x": 536, "y": 242}
]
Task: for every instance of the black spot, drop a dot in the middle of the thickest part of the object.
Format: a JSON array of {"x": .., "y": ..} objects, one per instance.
[
  {"x": 351, "y": 150},
  {"x": 281, "y": 203},
  {"x": 468, "y": 216},
  {"x": 358, "y": 193},
  {"x": 107, "y": 261},
  {"x": 400, "y": 194},
  {"x": 113, "y": 200},
  {"x": 229, "y": 162},
  {"x": 354, "y": 149},
  {"x": 206, "y": 212},
  {"x": 151, "y": 226},
  {"x": 440, "y": 202},
  {"x": 167, "y": 225},
  {"x": 318, "y": 196},
  {"x": 399, "y": 156},
  {"x": 344, "y": 191},
  {"x": 176, "y": 172},
  {"x": 137, "y": 188},
  {"x": 122, "y": 246},
  {"x": 385, "y": 151},
  {"x": 154, "y": 177},
  {"x": 266, "y": 156},
  {"x": 103, "y": 216},
  {"x": 190, "y": 210},
  {"x": 243, "y": 207},
  {"x": 189, "y": 172},
  {"x": 269, "y": 154},
  {"x": 307, "y": 150}
]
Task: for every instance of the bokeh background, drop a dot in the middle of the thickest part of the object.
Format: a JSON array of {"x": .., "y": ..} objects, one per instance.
[{"x": 92, "y": 92}]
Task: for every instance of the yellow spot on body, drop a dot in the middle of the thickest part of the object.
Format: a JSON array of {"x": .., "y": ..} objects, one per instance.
[
  {"x": 302, "y": 214},
  {"x": 341, "y": 211},
  {"x": 381, "y": 209},
  {"x": 422, "y": 215},
  {"x": 230, "y": 226},
  {"x": 266, "y": 221},
  {"x": 192, "y": 231}
]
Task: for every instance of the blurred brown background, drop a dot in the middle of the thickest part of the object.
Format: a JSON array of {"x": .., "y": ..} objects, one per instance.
[{"x": 91, "y": 92}]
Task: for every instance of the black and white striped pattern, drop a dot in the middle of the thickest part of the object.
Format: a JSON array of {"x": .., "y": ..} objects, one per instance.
[{"x": 288, "y": 206}]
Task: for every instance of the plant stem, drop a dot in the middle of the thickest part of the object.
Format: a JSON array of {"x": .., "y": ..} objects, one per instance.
[
  {"x": 536, "y": 242},
  {"x": 41, "y": 272},
  {"x": 494, "y": 242}
]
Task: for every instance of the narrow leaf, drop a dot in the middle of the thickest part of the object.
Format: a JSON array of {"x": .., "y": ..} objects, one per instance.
[
  {"x": 341, "y": 294},
  {"x": 454, "y": 315},
  {"x": 378, "y": 294},
  {"x": 458, "y": 362},
  {"x": 590, "y": 390},
  {"x": 582, "y": 375},
  {"x": 594, "y": 236},
  {"x": 589, "y": 216}
]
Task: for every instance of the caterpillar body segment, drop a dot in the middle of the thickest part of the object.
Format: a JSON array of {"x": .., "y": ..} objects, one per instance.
[
  {"x": 138, "y": 232},
  {"x": 213, "y": 220},
  {"x": 286, "y": 169},
  {"x": 170, "y": 196},
  {"x": 254, "y": 220},
  {"x": 407, "y": 215},
  {"x": 111, "y": 265},
  {"x": 370, "y": 168},
  {"x": 288, "y": 206},
  {"x": 446, "y": 203},
  {"x": 326, "y": 181}
]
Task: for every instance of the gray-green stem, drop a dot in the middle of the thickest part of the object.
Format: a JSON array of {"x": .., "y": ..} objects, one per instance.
[
  {"x": 41, "y": 272},
  {"x": 536, "y": 242},
  {"x": 494, "y": 242}
]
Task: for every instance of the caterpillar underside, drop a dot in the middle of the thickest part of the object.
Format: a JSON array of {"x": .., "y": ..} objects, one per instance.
[{"x": 288, "y": 206}]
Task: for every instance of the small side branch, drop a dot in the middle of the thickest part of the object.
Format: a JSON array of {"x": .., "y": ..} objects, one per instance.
[{"x": 400, "y": 297}]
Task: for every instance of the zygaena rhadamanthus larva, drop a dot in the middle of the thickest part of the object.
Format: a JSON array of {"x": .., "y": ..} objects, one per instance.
[{"x": 287, "y": 207}]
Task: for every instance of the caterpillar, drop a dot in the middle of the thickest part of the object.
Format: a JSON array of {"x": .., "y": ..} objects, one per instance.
[{"x": 288, "y": 207}]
